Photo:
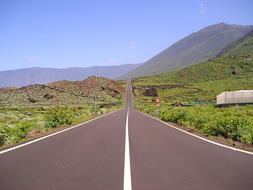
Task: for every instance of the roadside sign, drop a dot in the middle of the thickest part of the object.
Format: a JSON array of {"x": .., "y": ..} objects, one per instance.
[{"x": 157, "y": 100}]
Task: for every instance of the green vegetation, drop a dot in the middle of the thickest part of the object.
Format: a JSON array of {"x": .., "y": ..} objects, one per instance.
[
  {"x": 17, "y": 124},
  {"x": 201, "y": 83},
  {"x": 189, "y": 92},
  {"x": 62, "y": 116},
  {"x": 225, "y": 122},
  {"x": 33, "y": 110}
]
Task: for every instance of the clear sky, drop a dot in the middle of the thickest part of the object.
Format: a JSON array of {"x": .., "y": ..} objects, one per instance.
[{"x": 61, "y": 33}]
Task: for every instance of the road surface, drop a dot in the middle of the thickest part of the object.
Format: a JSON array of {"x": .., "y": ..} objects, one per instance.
[{"x": 91, "y": 157}]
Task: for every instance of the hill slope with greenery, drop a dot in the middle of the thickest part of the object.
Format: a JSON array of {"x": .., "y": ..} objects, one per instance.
[
  {"x": 36, "y": 110},
  {"x": 188, "y": 95},
  {"x": 236, "y": 62},
  {"x": 195, "y": 48}
]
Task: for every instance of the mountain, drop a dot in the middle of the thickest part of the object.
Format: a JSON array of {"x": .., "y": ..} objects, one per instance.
[
  {"x": 198, "y": 47},
  {"x": 36, "y": 75},
  {"x": 236, "y": 61},
  {"x": 63, "y": 93},
  {"x": 232, "y": 70}
]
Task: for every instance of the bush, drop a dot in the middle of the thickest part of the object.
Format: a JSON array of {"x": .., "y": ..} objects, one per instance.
[
  {"x": 173, "y": 116},
  {"x": 225, "y": 122},
  {"x": 197, "y": 121},
  {"x": 102, "y": 111},
  {"x": 9, "y": 135},
  {"x": 17, "y": 123},
  {"x": 2, "y": 136},
  {"x": 59, "y": 116},
  {"x": 235, "y": 128},
  {"x": 247, "y": 137}
]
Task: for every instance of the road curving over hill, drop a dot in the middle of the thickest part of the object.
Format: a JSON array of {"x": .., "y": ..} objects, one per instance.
[{"x": 92, "y": 156}]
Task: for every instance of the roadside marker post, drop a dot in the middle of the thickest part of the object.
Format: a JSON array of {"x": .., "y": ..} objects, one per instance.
[
  {"x": 157, "y": 100},
  {"x": 94, "y": 100}
]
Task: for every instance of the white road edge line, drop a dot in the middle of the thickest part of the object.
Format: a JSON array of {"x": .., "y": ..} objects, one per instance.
[
  {"x": 212, "y": 142},
  {"x": 127, "y": 166},
  {"x": 53, "y": 134}
]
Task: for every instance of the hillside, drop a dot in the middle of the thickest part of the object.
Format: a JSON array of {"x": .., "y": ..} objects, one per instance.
[
  {"x": 198, "y": 47},
  {"x": 63, "y": 93},
  {"x": 233, "y": 70},
  {"x": 188, "y": 96},
  {"x": 30, "y": 76},
  {"x": 237, "y": 61}
]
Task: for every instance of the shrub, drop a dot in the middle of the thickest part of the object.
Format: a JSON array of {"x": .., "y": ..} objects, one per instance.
[
  {"x": 59, "y": 116},
  {"x": 225, "y": 122},
  {"x": 102, "y": 111},
  {"x": 5, "y": 135},
  {"x": 230, "y": 127},
  {"x": 10, "y": 135},
  {"x": 195, "y": 120},
  {"x": 2, "y": 136},
  {"x": 173, "y": 116},
  {"x": 17, "y": 123},
  {"x": 247, "y": 137}
]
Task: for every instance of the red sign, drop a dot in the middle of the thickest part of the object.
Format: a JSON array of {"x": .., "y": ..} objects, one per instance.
[{"x": 157, "y": 100}]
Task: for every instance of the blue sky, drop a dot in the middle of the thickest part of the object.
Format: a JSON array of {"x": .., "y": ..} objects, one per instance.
[{"x": 61, "y": 33}]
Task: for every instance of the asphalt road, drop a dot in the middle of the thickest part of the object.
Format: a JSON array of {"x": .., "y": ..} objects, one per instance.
[{"x": 91, "y": 157}]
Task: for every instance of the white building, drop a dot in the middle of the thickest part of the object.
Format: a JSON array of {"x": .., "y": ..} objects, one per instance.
[{"x": 235, "y": 97}]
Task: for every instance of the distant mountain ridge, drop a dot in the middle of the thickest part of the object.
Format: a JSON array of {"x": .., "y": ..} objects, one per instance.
[
  {"x": 37, "y": 75},
  {"x": 198, "y": 47}
]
